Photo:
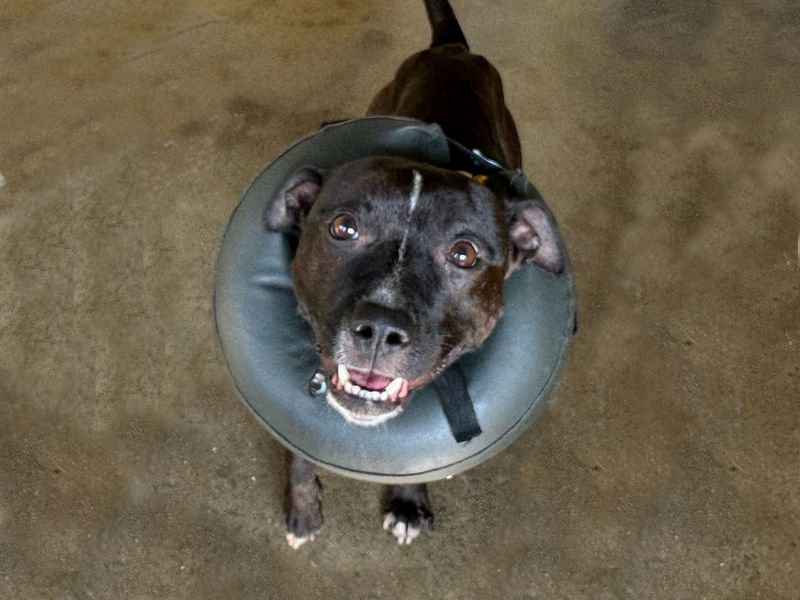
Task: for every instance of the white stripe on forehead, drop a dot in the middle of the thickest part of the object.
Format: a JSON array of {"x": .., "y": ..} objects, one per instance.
[
  {"x": 386, "y": 292},
  {"x": 415, "y": 192}
]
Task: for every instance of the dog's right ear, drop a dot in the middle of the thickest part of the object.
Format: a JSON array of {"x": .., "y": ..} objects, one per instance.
[{"x": 291, "y": 204}]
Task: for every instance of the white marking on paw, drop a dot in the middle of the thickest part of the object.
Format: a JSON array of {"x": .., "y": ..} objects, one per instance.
[
  {"x": 2, "y": 180},
  {"x": 402, "y": 531},
  {"x": 295, "y": 542}
]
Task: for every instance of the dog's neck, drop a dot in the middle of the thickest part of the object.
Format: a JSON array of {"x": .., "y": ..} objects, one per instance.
[{"x": 459, "y": 91}]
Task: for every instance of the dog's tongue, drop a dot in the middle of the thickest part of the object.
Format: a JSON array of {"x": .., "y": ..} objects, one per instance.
[{"x": 369, "y": 380}]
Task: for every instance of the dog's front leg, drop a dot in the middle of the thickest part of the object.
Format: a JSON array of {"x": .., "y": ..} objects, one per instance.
[
  {"x": 304, "y": 503},
  {"x": 409, "y": 512}
]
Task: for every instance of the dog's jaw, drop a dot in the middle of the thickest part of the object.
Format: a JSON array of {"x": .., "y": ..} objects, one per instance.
[
  {"x": 366, "y": 398},
  {"x": 362, "y": 420}
]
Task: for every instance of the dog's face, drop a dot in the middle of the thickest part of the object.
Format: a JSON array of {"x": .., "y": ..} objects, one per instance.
[{"x": 400, "y": 270}]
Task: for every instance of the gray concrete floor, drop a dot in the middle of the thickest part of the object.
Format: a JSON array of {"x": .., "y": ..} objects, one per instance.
[{"x": 665, "y": 136}]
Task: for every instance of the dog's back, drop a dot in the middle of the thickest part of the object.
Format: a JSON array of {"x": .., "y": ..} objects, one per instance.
[{"x": 459, "y": 90}]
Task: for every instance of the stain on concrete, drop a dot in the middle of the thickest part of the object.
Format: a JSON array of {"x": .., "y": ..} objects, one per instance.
[
  {"x": 668, "y": 29},
  {"x": 247, "y": 120}
]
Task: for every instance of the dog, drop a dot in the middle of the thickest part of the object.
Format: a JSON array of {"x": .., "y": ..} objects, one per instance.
[{"x": 400, "y": 265}]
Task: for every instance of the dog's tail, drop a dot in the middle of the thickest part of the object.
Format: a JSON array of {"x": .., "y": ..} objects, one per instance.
[{"x": 444, "y": 25}]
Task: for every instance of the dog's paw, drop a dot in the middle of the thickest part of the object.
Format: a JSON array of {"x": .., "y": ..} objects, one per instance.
[
  {"x": 295, "y": 542},
  {"x": 303, "y": 526},
  {"x": 406, "y": 519}
]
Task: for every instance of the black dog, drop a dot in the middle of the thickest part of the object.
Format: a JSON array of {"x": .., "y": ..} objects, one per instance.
[{"x": 400, "y": 265}]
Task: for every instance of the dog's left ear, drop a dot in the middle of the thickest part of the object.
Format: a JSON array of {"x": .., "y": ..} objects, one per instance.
[
  {"x": 291, "y": 204},
  {"x": 534, "y": 236}
]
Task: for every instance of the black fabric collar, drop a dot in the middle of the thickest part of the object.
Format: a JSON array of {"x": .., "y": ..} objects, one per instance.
[{"x": 451, "y": 388}]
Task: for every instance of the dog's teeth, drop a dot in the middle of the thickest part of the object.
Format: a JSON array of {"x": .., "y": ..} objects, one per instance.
[
  {"x": 393, "y": 389},
  {"x": 367, "y": 394},
  {"x": 342, "y": 381}
]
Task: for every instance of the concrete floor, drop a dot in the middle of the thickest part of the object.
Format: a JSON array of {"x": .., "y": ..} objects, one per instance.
[{"x": 666, "y": 137}]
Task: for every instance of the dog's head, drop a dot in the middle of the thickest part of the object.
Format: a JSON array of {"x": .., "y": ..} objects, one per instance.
[{"x": 400, "y": 270}]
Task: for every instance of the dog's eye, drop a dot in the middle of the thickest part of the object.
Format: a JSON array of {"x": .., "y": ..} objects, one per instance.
[
  {"x": 463, "y": 254},
  {"x": 344, "y": 227}
]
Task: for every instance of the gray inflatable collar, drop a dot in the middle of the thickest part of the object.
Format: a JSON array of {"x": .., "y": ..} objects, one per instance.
[{"x": 270, "y": 353}]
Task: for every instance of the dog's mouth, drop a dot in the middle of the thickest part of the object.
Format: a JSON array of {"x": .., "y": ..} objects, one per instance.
[
  {"x": 366, "y": 397},
  {"x": 370, "y": 386}
]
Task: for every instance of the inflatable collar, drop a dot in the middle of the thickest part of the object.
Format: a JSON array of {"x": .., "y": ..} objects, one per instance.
[{"x": 269, "y": 347}]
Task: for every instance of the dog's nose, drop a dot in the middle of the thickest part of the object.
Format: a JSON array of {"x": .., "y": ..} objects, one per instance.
[{"x": 387, "y": 328}]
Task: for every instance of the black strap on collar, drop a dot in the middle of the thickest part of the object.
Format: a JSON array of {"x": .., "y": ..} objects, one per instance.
[
  {"x": 472, "y": 161},
  {"x": 451, "y": 387},
  {"x": 504, "y": 181}
]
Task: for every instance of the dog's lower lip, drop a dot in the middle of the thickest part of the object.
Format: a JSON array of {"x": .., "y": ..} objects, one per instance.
[
  {"x": 357, "y": 411},
  {"x": 362, "y": 407}
]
